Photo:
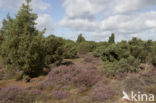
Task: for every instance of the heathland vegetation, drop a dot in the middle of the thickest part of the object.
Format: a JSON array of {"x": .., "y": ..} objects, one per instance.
[{"x": 69, "y": 71}]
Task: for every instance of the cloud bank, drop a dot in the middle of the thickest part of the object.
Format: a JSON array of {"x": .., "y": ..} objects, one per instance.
[{"x": 126, "y": 18}]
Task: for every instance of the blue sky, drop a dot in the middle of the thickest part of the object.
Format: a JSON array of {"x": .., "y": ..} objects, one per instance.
[{"x": 95, "y": 19}]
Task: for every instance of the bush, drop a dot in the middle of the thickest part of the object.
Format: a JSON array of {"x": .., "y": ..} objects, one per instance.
[
  {"x": 85, "y": 47},
  {"x": 54, "y": 49},
  {"x": 86, "y": 78},
  {"x": 101, "y": 92},
  {"x": 59, "y": 77},
  {"x": 70, "y": 50},
  {"x": 72, "y": 75},
  {"x": 122, "y": 66}
]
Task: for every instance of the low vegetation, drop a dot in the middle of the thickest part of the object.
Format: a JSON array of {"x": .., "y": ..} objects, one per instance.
[{"x": 78, "y": 71}]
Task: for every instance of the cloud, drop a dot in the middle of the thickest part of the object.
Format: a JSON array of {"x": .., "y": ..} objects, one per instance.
[
  {"x": 79, "y": 8},
  {"x": 117, "y": 23},
  {"x": 37, "y": 5},
  {"x": 100, "y": 17},
  {"x": 123, "y": 6},
  {"x": 10, "y": 4},
  {"x": 40, "y": 5},
  {"x": 79, "y": 24},
  {"x": 151, "y": 23},
  {"x": 45, "y": 21}
]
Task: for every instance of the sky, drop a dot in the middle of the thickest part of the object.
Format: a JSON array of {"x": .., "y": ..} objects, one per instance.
[{"x": 95, "y": 19}]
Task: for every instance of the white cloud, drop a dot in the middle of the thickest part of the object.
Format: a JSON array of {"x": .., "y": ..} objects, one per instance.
[
  {"x": 79, "y": 24},
  {"x": 45, "y": 21},
  {"x": 118, "y": 23},
  {"x": 38, "y": 5},
  {"x": 10, "y": 4},
  {"x": 123, "y": 17},
  {"x": 151, "y": 23},
  {"x": 123, "y": 6},
  {"x": 79, "y": 8}
]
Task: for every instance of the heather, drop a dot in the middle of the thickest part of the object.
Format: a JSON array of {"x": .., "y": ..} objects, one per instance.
[
  {"x": 101, "y": 92},
  {"x": 19, "y": 95},
  {"x": 72, "y": 75},
  {"x": 59, "y": 94},
  {"x": 36, "y": 67}
]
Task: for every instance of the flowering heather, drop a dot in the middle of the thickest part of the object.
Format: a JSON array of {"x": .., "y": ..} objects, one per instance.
[
  {"x": 59, "y": 94},
  {"x": 86, "y": 78},
  {"x": 60, "y": 76},
  {"x": 70, "y": 75},
  {"x": 101, "y": 92},
  {"x": 18, "y": 95}
]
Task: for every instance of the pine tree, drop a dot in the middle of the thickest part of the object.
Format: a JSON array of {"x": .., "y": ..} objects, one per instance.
[
  {"x": 112, "y": 39},
  {"x": 22, "y": 48},
  {"x": 80, "y": 39}
]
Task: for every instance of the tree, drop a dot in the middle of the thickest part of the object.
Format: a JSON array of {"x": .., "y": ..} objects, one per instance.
[
  {"x": 112, "y": 39},
  {"x": 22, "y": 47},
  {"x": 80, "y": 39}
]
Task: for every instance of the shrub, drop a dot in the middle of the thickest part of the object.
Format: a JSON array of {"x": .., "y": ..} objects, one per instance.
[
  {"x": 54, "y": 49},
  {"x": 72, "y": 75},
  {"x": 101, "y": 92},
  {"x": 60, "y": 76},
  {"x": 124, "y": 65},
  {"x": 70, "y": 50},
  {"x": 86, "y": 78},
  {"x": 85, "y": 47}
]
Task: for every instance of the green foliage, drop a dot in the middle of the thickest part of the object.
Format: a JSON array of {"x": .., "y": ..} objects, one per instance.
[
  {"x": 126, "y": 56},
  {"x": 80, "y": 39},
  {"x": 85, "y": 47},
  {"x": 22, "y": 45},
  {"x": 112, "y": 39},
  {"x": 54, "y": 49},
  {"x": 100, "y": 47},
  {"x": 70, "y": 49},
  {"x": 124, "y": 65}
]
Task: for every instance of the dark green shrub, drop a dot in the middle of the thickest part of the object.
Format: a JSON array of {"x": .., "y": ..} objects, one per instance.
[
  {"x": 85, "y": 47},
  {"x": 124, "y": 65},
  {"x": 54, "y": 49},
  {"x": 70, "y": 50}
]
